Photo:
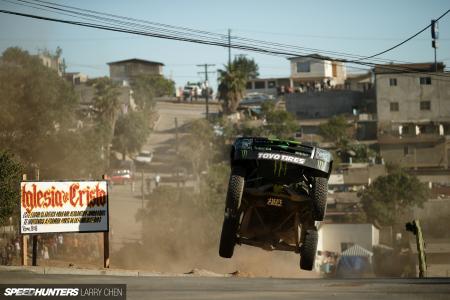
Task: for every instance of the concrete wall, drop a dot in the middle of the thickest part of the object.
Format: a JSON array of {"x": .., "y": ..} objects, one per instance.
[
  {"x": 410, "y": 155},
  {"x": 332, "y": 235},
  {"x": 323, "y": 104},
  {"x": 408, "y": 93}
]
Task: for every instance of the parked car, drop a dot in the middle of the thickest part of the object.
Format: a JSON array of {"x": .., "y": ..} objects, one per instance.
[
  {"x": 144, "y": 157},
  {"x": 256, "y": 99},
  {"x": 121, "y": 176}
]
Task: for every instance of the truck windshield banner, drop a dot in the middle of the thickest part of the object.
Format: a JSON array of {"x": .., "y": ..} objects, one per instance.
[{"x": 65, "y": 206}]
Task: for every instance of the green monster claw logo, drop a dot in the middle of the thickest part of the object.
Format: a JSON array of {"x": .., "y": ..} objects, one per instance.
[
  {"x": 244, "y": 153},
  {"x": 278, "y": 166}
]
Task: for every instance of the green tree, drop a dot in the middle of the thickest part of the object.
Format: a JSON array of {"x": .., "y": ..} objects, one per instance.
[
  {"x": 279, "y": 123},
  {"x": 197, "y": 147},
  {"x": 35, "y": 105},
  {"x": 389, "y": 197},
  {"x": 231, "y": 88},
  {"x": 335, "y": 130},
  {"x": 131, "y": 133},
  {"x": 147, "y": 87},
  {"x": 248, "y": 67},
  {"x": 10, "y": 176},
  {"x": 107, "y": 106}
]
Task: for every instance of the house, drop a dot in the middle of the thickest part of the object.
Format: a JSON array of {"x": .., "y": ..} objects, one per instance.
[
  {"x": 309, "y": 70},
  {"x": 76, "y": 77},
  {"x": 339, "y": 237},
  {"x": 124, "y": 71},
  {"x": 268, "y": 86},
  {"x": 51, "y": 61},
  {"x": 86, "y": 94},
  {"x": 413, "y": 112}
]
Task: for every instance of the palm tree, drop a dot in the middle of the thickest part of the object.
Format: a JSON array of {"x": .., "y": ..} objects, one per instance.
[
  {"x": 231, "y": 87},
  {"x": 107, "y": 106}
]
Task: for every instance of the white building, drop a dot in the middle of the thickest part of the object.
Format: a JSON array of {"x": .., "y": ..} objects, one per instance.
[
  {"x": 317, "y": 69},
  {"x": 339, "y": 237}
]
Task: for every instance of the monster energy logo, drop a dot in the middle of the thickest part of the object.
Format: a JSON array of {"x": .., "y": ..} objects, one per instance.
[
  {"x": 320, "y": 164},
  {"x": 244, "y": 153},
  {"x": 279, "y": 167}
]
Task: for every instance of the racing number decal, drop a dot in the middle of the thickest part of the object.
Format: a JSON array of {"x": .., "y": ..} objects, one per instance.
[{"x": 275, "y": 202}]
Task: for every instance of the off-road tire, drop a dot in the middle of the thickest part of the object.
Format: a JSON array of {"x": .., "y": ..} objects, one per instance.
[
  {"x": 308, "y": 250},
  {"x": 319, "y": 197},
  {"x": 231, "y": 218}
]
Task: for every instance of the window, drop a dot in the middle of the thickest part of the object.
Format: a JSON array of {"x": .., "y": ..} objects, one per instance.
[
  {"x": 249, "y": 85},
  {"x": 271, "y": 84},
  {"x": 260, "y": 85},
  {"x": 425, "y": 105},
  {"x": 393, "y": 81},
  {"x": 406, "y": 150},
  {"x": 425, "y": 80},
  {"x": 303, "y": 67},
  {"x": 394, "y": 106}
]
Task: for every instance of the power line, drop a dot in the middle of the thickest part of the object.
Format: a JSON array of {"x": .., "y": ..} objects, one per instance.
[
  {"x": 110, "y": 21},
  {"x": 272, "y": 49},
  {"x": 203, "y": 34},
  {"x": 196, "y": 39},
  {"x": 407, "y": 40}
]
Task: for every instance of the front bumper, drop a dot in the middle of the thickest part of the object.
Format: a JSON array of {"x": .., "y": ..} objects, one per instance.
[{"x": 282, "y": 160}]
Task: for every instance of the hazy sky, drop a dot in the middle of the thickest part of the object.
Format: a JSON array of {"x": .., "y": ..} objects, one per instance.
[{"x": 353, "y": 26}]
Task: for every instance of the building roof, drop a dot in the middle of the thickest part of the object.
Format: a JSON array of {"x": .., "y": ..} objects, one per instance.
[
  {"x": 314, "y": 55},
  {"x": 408, "y": 68},
  {"x": 357, "y": 250},
  {"x": 137, "y": 60}
]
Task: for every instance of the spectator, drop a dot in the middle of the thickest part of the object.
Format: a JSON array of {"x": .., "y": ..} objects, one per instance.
[{"x": 157, "y": 179}]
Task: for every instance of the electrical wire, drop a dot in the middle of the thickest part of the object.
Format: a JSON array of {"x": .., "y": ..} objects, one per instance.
[
  {"x": 197, "y": 39},
  {"x": 251, "y": 42},
  {"x": 405, "y": 41}
]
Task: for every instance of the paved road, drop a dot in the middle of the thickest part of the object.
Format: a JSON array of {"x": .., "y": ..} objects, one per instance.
[
  {"x": 252, "y": 288},
  {"x": 125, "y": 204}
]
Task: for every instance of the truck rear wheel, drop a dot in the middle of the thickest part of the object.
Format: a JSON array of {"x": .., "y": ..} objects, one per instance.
[
  {"x": 231, "y": 218},
  {"x": 319, "y": 197},
  {"x": 308, "y": 250}
]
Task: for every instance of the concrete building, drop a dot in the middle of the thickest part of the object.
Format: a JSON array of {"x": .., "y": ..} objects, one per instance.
[
  {"x": 359, "y": 82},
  {"x": 317, "y": 69},
  {"x": 413, "y": 110},
  {"x": 51, "y": 61},
  {"x": 268, "y": 86},
  {"x": 123, "y": 71},
  {"x": 76, "y": 78}
]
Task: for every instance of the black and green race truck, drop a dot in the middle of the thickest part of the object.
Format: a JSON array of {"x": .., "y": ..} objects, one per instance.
[{"x": 276, "y": 195}]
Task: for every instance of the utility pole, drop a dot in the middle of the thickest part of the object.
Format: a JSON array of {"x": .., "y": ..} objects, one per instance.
[
  {"x": 229, "y": 48},
  {"x": 35, "y": 237},
  {"x": 434, "y": 42},
  {"x": 176, "y": 153},
  {"x": 206, "y": 86}
]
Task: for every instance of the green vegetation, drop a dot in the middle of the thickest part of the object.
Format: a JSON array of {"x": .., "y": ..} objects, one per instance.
[
  {"x": 336, "y": 131},
  {"x": 147, "y": 87},
  {"x": 232, "y": 82},
  {"x": 10, "y": 176},
  {"x": 389, "y": 197},
  {"x": 131, "y": 133},
  {"x": 38, "y": 121}
]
